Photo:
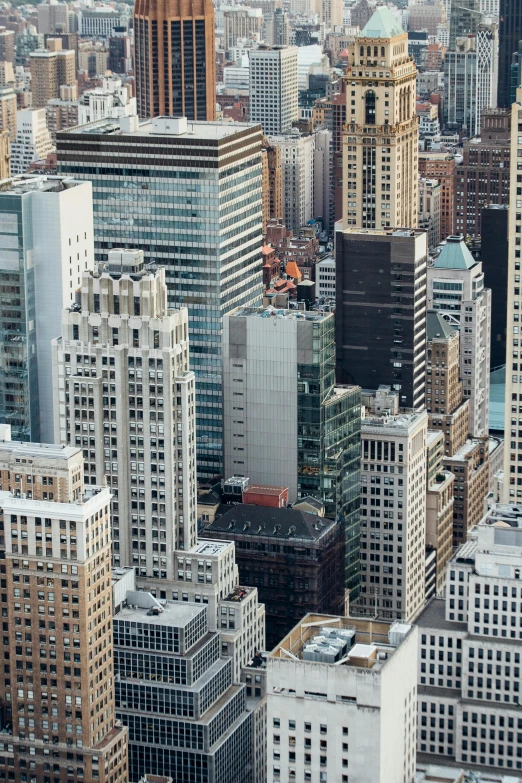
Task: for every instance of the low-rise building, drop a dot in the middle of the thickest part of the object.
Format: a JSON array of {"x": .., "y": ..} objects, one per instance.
[{"x": 295, "y": 559}]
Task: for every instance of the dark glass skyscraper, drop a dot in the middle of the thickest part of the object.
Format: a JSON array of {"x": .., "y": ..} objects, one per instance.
[
  {"x": 510, "y": 33},
  {"x": 175, "y": 58}
]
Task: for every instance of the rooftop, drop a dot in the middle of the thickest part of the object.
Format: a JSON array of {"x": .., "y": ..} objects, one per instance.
[
  {"x": 29, "y": 183},
  {"x": 281, "y": 523},
  {"x": 175, "y": 614},
  {"x": 454, "y": 255},
  {"x": 464, "y": 450},
  {"x": 366, "y": 644},
  {"x": 399, "y": 421},
  {"x": 261, "y": 489},
  {"x": 275, "y": 312},
  {"x": 239, "y": 593},
  {"x": 209, "y": 548},
  {"x": 31, "y": 451},
  {"x": 158, "y": 127},
  {"x": 382, "y": 24},
  {"x": 437, "y": 326},
  {"x": 434, "y": 616}
]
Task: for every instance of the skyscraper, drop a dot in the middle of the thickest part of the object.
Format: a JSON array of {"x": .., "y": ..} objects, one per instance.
[
  {"x": 136, "y": 397},
  {"x": 189, "y": 196},
  {"x": 382, "y": 129},
  {"x": 273, "y": 88},
  {"x": 269, "y": 354},
  {"x": 50, "y": 68},
  {"x": 465, "y": 16},
  {"x": 380, "y": 319},
  {"x": 297, "y": 166},
  {"x": 57, "y": 688},
  {"x": 46, "y": 244},
  {"x": 393, "y": 467},
  {"x": 456, "y": 290},
  {"x": 175, "y": 58},
  {"x": 510, "y": 33},
  {"x": 513, "y": 410}
]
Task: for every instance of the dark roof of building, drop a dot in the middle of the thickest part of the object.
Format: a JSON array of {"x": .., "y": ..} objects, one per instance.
[
  {"x": 434, "y": 616},
  {"x": 437, "y": 326},
  {"x": 267, "y": 521},
  {"x": 210, "y": 498}
]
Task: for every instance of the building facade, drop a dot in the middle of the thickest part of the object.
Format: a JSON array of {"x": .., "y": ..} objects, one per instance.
[
  {"x": 316, "y": 450},
  {"x": 381, "y": 135},
  {"x": 469, "y": 655},
  {"x": 512, "y": 468},
  {"x": 456, "y": 290},
  {"x": 241, "y": 23},
  {"x": 348, "y": 713},
  {"x": 380, "y": 324},
  {"x": 47, "y": 242},
  {"x": 393, "y": 521},
  {"x": 33, "y": 140},
  {"x": 123, "y": 323},
  {"x": 50, "y": 68},
  {"x": 58, "y": 687},
  {"x": 210, "y": 245},
  {"x": 8, "y": 109},
  {"x": 297, "y": 170},
  {"x": 180, "y": 79},
  {"x": 483, "y": 176},
  {"x": 441, "y": 166},
  {"x": 273, "y": 88},
  {"x": 510, "y": 25}
]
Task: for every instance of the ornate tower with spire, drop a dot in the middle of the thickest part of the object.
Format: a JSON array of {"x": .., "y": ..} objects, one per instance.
[{"x": 380, "y": 139}]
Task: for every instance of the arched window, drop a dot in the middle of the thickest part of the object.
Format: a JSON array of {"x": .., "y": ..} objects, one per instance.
[
  {"x": 375, "y": 51},
  {"x": 370, "y": 107},
  {"x": 369, "y": 51},
  {"x": 362, "y": 51},
  {"x": 383, "y": 51}
]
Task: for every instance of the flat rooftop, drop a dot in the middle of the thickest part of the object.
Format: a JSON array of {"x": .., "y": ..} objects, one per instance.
[
  {"x": 396, "y": 421},
  {"x": 29, "y": 451},
  {"x": 464, "y": 451},
  {"x": 370, "y": 649},
  {"x": 277, "y": 312},
  {"x": 195, "y": 130},
  {"x": 209, "y": 548},
  {"x": 175, "y": 615},
  {"x": 434, "y": 616},
  {"x": 28, "y": 183}
]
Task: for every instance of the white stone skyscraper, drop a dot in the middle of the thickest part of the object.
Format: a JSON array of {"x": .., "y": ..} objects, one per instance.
[
  {"x": 273, "y": 88},
  {"x": 125, "y": 395},
  {"x": 456, "y": 290}
]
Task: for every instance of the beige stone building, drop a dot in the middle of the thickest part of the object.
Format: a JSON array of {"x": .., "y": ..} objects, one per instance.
[
  {"x": 8, "y": 109},
  {"x": 447, "y": 409},
  {"x": 57, "y": 685},
  {"x": 470, "y": 464},
  {"x": 132, "y": 408},
  {"x": 439, "y": 505},
  {"x": 50, "y": 68},
  {"x": 380, "y": 139}
]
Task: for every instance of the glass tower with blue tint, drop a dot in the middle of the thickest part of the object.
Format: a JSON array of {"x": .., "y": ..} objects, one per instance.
[{"x": 189, "y": 195}]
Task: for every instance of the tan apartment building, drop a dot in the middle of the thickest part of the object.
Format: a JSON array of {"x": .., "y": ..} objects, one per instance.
[
  {"x": 275, "y": 179},
  {"x": 8, "y": 109},
  {"x": 380, "y": 140},
  {"x": 441, "y": 166},
  {"x": 444, "y": 396},
  {"x": 50, "y": 68},
  {"x": 57, "y": 685},
  {"x": 439, "y": 505},
  {"x": 470, "y": 465}
]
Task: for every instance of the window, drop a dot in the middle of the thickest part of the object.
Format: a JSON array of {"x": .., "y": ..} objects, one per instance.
[{"x": 370, "y": 107}]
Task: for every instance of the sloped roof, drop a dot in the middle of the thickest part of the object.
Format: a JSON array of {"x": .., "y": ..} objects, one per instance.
[
  {"x": 455, "y": 255},
  {"x": 382, "y": 24},
  {"x": 292, "y": 270},
  {"x": 268, "y": 521},
  {"x": 437, "y": 326}
]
